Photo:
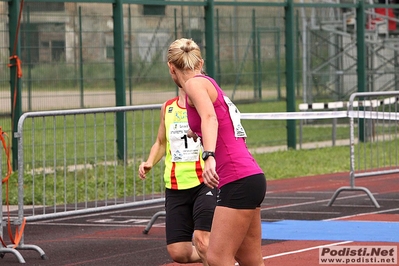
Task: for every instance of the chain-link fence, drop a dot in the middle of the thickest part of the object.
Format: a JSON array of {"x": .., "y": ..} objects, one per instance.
[{"x": 67, "y": 52}]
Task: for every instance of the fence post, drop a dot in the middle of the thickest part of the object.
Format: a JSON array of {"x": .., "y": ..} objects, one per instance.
[
  {"x": 209, "y": 38},
  {"x": 255, "y": 62},
  {"x": 81, "y": 73},
  {"x": 361, "y": 59},
  {"x": 119, "y": 65},
  {"x": 290, "y": 70},
  {"x": 15, "y": 82}
]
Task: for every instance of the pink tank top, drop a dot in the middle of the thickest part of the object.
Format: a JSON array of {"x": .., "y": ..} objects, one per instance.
[{"x": 233, "y": 159}]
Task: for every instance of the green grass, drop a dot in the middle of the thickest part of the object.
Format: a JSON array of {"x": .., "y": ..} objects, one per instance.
[{"x": 297, "y": 163}]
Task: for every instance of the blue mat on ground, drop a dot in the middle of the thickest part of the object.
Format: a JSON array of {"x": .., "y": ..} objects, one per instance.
[{"x": 331, "y": 230}]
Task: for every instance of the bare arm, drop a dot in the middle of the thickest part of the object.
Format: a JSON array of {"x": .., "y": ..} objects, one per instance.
[
  {"x": 158, "y": 149},
  {"x": 202, "y": 94}
]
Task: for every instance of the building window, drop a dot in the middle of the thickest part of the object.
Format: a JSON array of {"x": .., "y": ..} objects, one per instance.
[
  {"x": 45, "y": 6},
  {"x": 154, "y": 10},
  {"x": 57, "y": 51},
  {"x": 109, "y": 46},
  {"x": 109, "y": 50}
]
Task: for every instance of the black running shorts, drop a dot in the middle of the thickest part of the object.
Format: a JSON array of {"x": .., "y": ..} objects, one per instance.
[
  {"x": 245, "y": 193},
  {"x": 188, "y": 210}
]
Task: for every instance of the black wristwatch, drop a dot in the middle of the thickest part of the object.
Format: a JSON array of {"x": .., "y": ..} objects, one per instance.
[{"x": 206, "y": 154}]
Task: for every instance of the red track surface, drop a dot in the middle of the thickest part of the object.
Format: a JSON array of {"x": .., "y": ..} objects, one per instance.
[
  {"x": 116, "y": 238},
  {"x": 298, "y": 253}
]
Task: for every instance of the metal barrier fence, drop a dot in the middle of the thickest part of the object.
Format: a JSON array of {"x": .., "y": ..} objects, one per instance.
[
  {"x": 70, "y": 162},
  {"x": 85, "y": 160},
  {"x": 374, "y": 149}
]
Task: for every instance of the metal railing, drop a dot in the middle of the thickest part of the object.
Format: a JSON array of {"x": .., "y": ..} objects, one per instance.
[
  {"x": 85, "y": 160},
  {"x": 374, "y": 149}
]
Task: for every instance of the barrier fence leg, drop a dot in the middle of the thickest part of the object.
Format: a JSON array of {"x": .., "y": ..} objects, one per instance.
[
  {"x": 350, "y": 188},
  {"x": 21, "y": 245},
  {"x": 4, "y": 250},
  {"x": 33, "y": 247},
  {"x": 152, "y": 221}
]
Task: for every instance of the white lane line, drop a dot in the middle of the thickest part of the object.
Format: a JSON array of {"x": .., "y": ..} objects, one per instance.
[
  {"x": 309, "y": 212},
  {"x": 362, "y": 214},
  {"x": 288, "y": 197},
  {"x": 88, "y": 225},
  {"x": 315, "y": 192},
  {"x": 309, "y": 202},
  {"x": 305, "y": 249},
  {"x": 354, "y": 205},
  {"x": 97, "y": 214}
]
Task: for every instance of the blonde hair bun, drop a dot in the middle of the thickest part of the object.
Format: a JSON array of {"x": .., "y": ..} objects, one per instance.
[{"x": 185, "y": 54}]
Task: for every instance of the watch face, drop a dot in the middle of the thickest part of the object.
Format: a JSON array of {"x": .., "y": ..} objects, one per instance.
[{"x": 206, "y": 154}]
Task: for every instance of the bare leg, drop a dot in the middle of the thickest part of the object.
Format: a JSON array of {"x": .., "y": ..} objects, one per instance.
[
  {"x": 230, "y": 229},
  {"x": 183, "y": 252},
  {"x": 250, "y": 251},
  {"x": 201, "y": 242}
]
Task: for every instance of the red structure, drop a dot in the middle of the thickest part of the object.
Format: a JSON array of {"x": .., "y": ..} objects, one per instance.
[{"x": 383, "y": 12}]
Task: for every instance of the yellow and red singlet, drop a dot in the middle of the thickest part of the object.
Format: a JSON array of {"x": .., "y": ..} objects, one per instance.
[{"x": 183, "y": 163}]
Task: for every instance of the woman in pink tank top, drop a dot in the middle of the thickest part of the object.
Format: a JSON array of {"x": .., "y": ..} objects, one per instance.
[{"x": 236, "y": 228}]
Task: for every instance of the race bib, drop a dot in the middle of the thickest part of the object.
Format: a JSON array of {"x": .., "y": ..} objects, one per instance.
[
  {"x": 183, "y": 148},
  {"x": 239, "y": 130}
]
